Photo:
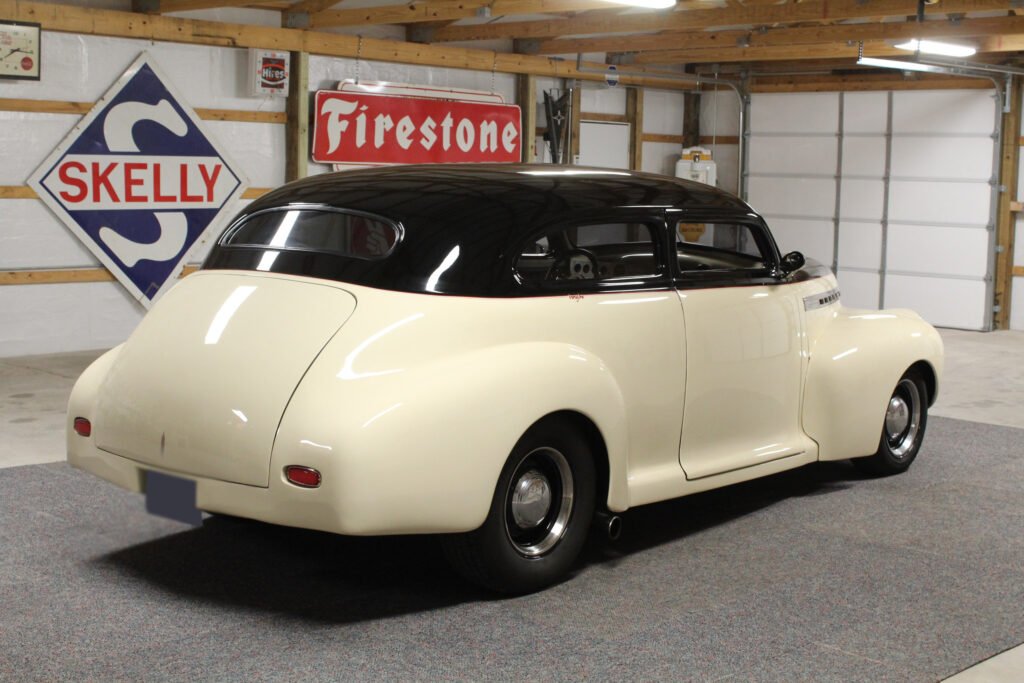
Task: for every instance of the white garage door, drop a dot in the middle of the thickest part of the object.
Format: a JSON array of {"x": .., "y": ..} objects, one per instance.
[{"x": 893, "y": 189}]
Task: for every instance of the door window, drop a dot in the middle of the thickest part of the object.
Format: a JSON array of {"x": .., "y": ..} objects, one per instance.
[
  {"x": 721, "y": 248},
  {"x": 597, "y": 252}
]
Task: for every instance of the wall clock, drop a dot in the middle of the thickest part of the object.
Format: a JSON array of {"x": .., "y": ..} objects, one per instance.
[{"x": 19, "y": 50}]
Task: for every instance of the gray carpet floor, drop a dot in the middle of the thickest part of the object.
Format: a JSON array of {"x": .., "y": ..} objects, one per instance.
[{"x": 812, "y": 575}]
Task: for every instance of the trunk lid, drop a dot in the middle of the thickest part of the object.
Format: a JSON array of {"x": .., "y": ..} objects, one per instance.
[{"x": 201, "y": 385}]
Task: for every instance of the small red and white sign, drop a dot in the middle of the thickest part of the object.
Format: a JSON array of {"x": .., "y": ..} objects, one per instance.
[
  {"x": 268, "y": 72},
  {"x": 371, "y": 128}
]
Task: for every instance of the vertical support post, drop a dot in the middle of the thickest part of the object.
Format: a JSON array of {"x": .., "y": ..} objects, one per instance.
[
  {"x": 691, "y": 119},
  {"x": 526, "y": 98},
  {"x": 635, "y": 117},
  {"x": 883, "y": 262},
  {"x": 575, "y": 104},
  {"x": 836, "y": 221},
  {"x": 743, "y": 93},
  {"x": 296, "y": 163},
  {"x": 1006, "y": 218}
]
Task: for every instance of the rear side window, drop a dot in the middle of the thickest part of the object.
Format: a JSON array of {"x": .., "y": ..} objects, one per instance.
[
  {"x": 600, "y": 252},
  {"x": 319, "y": 230}
]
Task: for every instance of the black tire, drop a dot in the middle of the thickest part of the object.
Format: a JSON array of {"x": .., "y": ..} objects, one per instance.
[
  {"x": 900, "y": 442},
  {"x": 513, "y": 552}
]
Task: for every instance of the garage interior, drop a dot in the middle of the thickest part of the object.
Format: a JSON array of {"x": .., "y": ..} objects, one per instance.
[{"x": 904, "y": 177}]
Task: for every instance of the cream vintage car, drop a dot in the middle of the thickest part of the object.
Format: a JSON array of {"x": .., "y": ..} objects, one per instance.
[{"x": 497, "y": 355}]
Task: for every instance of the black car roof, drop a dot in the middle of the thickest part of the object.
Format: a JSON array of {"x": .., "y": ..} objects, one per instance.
[
  {"x": 463, "y": 223},
  {"x": 515, "y": 195}
]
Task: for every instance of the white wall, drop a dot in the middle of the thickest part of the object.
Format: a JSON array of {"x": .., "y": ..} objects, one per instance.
[
  {"x": 65, "y": 317},
  {"x": 68, "y": 317}
]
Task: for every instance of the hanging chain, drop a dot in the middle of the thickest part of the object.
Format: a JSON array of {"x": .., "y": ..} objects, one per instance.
[
  {"x": 494, "y": 68},
  {"x": 359, "y": 55}
]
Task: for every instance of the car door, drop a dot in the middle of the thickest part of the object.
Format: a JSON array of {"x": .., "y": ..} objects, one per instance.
[{"x": 744, "y": 348}]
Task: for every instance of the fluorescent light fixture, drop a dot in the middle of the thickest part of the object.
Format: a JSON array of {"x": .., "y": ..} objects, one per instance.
[
  {"x": 899, "y": 64},
  {"x": 935, "y": 47},
  {"x": 648, "y": 4}
]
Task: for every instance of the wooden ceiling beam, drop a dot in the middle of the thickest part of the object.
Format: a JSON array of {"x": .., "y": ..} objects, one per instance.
[
  {"x": 808, "y": 35},
  {"x": 102, "y": 22},
  {"x": 444, "y": 10},
  {"x": 1008, "y": 43},
  {"x": 690, "y": 19},
  {"x": 864, "y": 83}
]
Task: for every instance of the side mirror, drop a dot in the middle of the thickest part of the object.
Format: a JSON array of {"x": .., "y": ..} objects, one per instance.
[{"x": 792, "y": 261}]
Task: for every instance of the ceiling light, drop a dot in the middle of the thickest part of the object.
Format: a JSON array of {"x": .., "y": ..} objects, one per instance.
[
  {"x": 898, "y": 64},
  {"x": 648, "y": 4},
  {"x": 935, "y": 47}
]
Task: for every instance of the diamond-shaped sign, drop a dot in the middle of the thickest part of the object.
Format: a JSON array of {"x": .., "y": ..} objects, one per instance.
[{"x": 139, "y": 181}]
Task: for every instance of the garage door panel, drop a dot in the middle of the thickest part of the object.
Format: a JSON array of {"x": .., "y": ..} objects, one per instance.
[
  {"x": 801, "y": 113},
  {"x": 860, "y": 245},
  {"x": 1017, "y": 312},
  {"x": 810, "y": 197},
  {"x": 862, "y": 199},
  {"x": 865, "y": 112},
  {"x": 794, "y": 155},
  {"x": 922, "y": 249},
  {"x": 813, "y": 238},
  {"x": 858, "y": 289},
  {"x": 943, "y": 111},
  {"x": 944, "y": 302},
  {"x": 939, "y": 202},
  {"x": 864, "y": 156},
  {"x": 925, "y": 157}
]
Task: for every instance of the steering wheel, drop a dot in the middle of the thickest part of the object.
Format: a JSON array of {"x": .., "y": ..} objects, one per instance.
[{"x": 574, "y": 264}]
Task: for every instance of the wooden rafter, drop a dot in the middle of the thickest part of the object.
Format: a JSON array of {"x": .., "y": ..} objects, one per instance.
[
  {"x": 69, "y": 19},
  {"x": 1006, "y": 43},
  {"x": 610, "y": 21},
  {"x": 784, "y": 36},
  {"x": 442, "y": 10}
]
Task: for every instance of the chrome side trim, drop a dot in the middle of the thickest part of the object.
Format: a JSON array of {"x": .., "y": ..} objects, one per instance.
[{"x": 821, "y": 300}]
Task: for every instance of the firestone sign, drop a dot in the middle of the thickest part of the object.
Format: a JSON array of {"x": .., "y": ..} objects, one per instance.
[
  {"x": 139, "y": 182},
  {"x": 369, "y": 128}
]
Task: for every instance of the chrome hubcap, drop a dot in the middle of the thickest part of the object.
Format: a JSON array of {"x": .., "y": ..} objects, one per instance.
[
  {"x": 531, "y": 499},
  {"x": 539, "y": 502},
  {"x": 903, "y": 418},
  {"x": 896, "y": 417}
]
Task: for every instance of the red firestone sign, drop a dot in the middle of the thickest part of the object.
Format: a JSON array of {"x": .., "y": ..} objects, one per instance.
[{"x": 367, "y": 128}]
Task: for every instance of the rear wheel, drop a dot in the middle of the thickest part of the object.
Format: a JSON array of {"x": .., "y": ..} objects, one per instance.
[
  {"x": 539, "y": 516},
  {"x": 906, "y": 417}
]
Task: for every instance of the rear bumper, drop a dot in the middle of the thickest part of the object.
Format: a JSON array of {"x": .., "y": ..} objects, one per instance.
[{"x": 281, "y": 503}]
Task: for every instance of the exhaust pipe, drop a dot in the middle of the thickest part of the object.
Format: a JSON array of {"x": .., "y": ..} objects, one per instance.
[{"x": 610, "y": 523}]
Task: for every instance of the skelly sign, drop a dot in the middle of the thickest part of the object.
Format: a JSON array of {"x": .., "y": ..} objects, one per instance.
[
  {"x": 139, "y": 182},
  {"x": 358, "y": 127}
]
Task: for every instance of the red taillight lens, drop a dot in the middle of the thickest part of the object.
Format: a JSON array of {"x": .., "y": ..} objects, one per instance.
[
  {"x": 306, "y": 477},
  {"x": 83, "y": 427}
]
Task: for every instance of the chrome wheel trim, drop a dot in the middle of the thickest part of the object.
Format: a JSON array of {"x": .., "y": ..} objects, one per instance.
[
  {"x": 903, "y": 418},
  {"x": 531, "y": 499},
  {"x": 541, "y": 483}
]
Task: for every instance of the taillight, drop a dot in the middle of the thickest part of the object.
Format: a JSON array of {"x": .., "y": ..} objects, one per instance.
[
  {"x": 83, "y": 427},
  {"x": 306, "y": 477}
]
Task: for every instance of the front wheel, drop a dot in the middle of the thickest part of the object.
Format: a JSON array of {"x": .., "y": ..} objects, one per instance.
[
  {"x": 906, "y": 416},
  {"x": 539, "y": 517}
]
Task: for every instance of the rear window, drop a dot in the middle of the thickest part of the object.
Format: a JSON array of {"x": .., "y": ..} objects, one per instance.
[{"x": 320, "y": 230}]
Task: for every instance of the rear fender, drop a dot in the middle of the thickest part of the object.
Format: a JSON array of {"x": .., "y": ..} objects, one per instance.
[{"x": 421, "y": 449}]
